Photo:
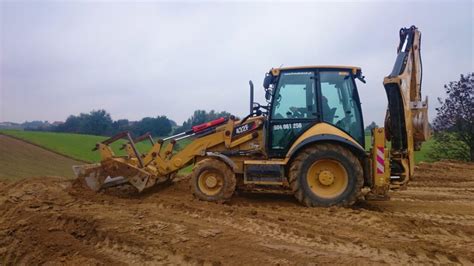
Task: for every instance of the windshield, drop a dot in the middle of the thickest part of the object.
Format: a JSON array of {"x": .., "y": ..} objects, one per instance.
[{"x": 340, "y": 103}]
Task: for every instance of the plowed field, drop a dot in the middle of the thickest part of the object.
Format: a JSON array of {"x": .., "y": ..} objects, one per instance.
[
  {"x": 19, "y": 159},
  {"x": 48, "y": 219}
]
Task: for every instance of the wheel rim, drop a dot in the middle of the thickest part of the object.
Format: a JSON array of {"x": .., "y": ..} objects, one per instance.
[
  {"x": 210, "y": 182},
  {"x": 327, "y": 178}
]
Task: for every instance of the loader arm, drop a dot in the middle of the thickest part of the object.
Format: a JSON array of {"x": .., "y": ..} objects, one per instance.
[
  {"x": 406, "y": 121},
  {"x": 162, "y": 161}
]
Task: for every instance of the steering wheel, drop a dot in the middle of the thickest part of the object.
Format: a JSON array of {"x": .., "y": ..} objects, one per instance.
[
  {"x": 257, "y": 107},
  {"x": 297, "y": 112},
  {"x": 255, "y": 111}
]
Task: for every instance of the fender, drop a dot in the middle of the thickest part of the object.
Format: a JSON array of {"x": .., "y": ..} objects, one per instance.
[
  {"x": 328, "y": 138},
  {"x": 223, "y": 158}
]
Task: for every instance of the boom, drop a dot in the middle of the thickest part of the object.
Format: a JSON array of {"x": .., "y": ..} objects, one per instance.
[{"x": 406, "y": 122}]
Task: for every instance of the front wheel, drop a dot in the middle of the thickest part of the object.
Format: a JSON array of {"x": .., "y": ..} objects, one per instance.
[
  {"x": 213, "y": 180},
  {"x": 326, "y": 175}
]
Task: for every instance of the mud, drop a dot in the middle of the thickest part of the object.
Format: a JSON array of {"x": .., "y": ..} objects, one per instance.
[{"x": 51, "y": 220}]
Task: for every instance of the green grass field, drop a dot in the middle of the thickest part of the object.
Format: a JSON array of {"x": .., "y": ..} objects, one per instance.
[
  {"x": 420, "y": 156},
  {"x": 76, "y": 146},
  {"x": 79, "y": 146}
]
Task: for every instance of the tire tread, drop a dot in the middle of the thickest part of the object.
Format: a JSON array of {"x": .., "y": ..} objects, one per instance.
[{"x": 296, "y": 165}]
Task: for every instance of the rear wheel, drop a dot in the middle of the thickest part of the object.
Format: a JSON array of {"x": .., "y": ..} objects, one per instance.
[
  {"x": 213, "y": 180},
  {"x": 326, "y": 175}
]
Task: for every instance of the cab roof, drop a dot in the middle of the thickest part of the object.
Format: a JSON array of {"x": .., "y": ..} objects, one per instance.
[{"x": 355, "y": 70}]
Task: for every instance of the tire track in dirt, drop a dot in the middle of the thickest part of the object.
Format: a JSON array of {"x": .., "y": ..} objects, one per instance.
[
  {"x": 338, "y": 245},
  {"x": 48, "y": 220},
  {"x": 111, "y": 243},
  {"x": 332, "y": 244}
]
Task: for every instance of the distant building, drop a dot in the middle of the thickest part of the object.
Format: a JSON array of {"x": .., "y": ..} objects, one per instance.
[{"x": 10, "y": 125}]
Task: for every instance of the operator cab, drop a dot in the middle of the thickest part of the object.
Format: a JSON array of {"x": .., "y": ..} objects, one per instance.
[{"x": 301, "y": 97}]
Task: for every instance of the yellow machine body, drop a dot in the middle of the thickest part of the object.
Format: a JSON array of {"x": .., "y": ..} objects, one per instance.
[{"x": 309, "y": 138}]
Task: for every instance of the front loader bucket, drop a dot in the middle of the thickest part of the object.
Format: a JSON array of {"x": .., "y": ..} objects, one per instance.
[
  {"x": 89, "y": 174},
  {"x": 92, "y": 176},
  {"x": 99, "y": 176},
  {"x": 142, "y": 171}
]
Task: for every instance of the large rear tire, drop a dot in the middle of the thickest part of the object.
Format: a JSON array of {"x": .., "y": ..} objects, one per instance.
[
  {"x": 213, "y": 180},
  {"x": 326, "y": 175}
]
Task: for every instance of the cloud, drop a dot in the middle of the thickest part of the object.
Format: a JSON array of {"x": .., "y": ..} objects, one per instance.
[{"x": 148, "y": 59}]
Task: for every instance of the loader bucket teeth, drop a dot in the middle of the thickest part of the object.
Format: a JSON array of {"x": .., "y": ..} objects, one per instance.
[
  {"x": 139, "y": 182},
  {"x": 114, "y": 181},
  {"x": 93, "y": 183}
]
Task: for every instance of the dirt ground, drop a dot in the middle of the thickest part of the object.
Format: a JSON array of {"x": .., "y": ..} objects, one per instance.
[
  {"x": 48, "y": 220},
  {"x": 19, "y": 159}
]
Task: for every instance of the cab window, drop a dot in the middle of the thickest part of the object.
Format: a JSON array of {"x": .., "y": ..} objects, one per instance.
[
  {"x": 294, "y": 96},
  {"x": 340, "y": 104},
  {"x": 294, "y": 99}
]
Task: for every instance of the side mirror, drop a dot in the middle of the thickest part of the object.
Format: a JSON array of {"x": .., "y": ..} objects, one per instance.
[
  {"x": 267, "y": 81},
  {"x": 359, "y": 76},
  {"x": 268, "y": 94}
]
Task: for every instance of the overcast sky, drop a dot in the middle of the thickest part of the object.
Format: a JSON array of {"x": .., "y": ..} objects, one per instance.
[{"x": 159, "y": 58}]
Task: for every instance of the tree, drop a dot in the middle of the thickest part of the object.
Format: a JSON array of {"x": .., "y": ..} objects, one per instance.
[
  {"x": 448, "y": 146},
  {"x": 100, "y": 123},
  {"x": 455, "y": 118},
  {"x": 173, "y": 123},
  {"x": 200, "y": 117},
  {"x": 95, "y": 123},
  {"x": 120, "y": 126},
  {"x": 369, "y": 128},
  {"x": 72, "y": 125},
  {"x": 159, "y": 126}
]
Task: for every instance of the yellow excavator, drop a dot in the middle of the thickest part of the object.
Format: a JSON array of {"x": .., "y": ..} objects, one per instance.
[{"x": 309, "y": 138}]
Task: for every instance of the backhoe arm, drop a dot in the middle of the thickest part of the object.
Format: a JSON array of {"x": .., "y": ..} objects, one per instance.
[{"x": 406, "y": 122}]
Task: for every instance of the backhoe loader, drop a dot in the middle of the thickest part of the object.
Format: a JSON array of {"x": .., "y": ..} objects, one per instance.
[{"x": 308, "y": 138}]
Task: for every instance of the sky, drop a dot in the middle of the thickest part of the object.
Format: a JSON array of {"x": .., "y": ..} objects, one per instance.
[{"x": 139, "y": 59}]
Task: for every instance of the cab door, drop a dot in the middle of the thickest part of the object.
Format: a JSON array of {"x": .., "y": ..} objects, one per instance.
[{"x": 294, "y": 109}]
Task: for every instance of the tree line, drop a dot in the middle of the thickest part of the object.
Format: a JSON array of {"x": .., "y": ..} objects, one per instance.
[{"x": 99, "y": 122}]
